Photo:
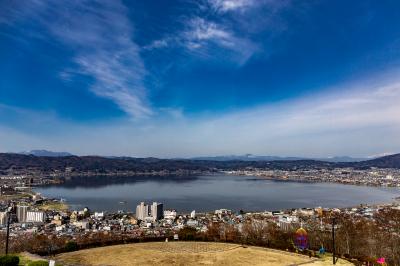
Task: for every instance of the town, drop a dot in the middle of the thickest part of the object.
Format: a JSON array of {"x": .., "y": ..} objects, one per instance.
[
  {"x": 387, "y": 177},
  {"x": 33, "y": 213},
  {"x": 46, "y": 226}
]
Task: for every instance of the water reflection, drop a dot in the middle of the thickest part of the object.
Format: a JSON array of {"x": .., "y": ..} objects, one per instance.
[
  {"x": 103, "y": 181},
  {"x": 205, "y": 193}
]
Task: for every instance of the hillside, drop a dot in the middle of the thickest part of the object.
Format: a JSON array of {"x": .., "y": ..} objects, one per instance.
[
  {"x": 390, "y": 161},
  {"x": 90, "y": 163},
  {"x": 96, "y": 163},
  {"x": 103, "y": 164}
]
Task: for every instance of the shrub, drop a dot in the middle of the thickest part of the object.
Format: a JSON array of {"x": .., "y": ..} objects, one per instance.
[
  {"x": 9, "y": 260},
  {"x": 71, "y": 246},
  {"x": 187, "y": 233},
  {"x": 38, "y": 263}
]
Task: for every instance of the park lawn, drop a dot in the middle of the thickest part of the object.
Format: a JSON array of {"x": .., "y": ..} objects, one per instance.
[
  {"x": 25, "y": 258},
  {"x": 56, "y": 206},
  {"x": 181, "y": 253},
  {"x": 16, "y": 196},
  {"x": 327, "y": 260}
]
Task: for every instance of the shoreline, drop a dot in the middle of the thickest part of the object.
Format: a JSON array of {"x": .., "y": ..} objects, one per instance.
[
  {"x": 256, "y": 178},
  {"x": 265, "y": 177},
  {"x": 394, "y": 199},
  {"x": 61, "y": 179},
  {"x": 68, "y": 207}
]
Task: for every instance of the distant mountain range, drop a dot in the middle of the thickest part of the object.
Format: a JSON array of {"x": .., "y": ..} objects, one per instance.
[
  {"x": 251, "y": 157},
  {"x": 103, "y": 164},
  {"x": 246, "y": 157},
  {"x": 45, "y": 153}
]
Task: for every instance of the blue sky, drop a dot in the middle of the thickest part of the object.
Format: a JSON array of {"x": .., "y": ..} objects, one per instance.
[{"x": 188, "y": 78}]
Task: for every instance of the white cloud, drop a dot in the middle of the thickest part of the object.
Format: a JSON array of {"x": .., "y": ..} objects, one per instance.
[
  {"x": 242, "y": 6},
  {"x": 231, "y": 5},
  {"x": 358, "y": 119},
  {"x": 208, "y": 40},
  {"x": 100, "y": 35},
  {"x": 200, "y": 35},
  {"x": 205, "y": 37},
  {"x": 225, "y": 29},
  {"x": 202, "y": 30},
  {"x": 157, "y": 44}
]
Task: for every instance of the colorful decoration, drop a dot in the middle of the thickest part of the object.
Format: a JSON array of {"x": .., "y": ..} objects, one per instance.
[
  {"x": 301, "y": 239},
  {"x": 322, "y": 250},
  {"x": 381, "y": 261}
]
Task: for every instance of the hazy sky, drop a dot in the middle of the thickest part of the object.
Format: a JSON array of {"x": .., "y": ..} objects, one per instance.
[{"x": 208, "y": 77}]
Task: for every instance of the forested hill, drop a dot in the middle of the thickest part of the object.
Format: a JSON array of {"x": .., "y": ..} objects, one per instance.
[
  {"x": 96, "y": 163},
  {"x": 390, "y": 161}
]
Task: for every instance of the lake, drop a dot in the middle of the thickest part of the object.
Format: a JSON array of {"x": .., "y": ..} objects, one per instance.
[{"x": 207, "y": 193}]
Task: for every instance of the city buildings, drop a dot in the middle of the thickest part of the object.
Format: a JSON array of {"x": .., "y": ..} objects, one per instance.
[
  {"x": 22, "y": 213},
  {"x": 142, "y": 211},
  {"x": 152, "y": 212},
  {"x": 157, "y": 211},
  {"x": 75, "y": 224},
  {"x": 385, "y": 177},
  {"x": 6, "y": 190},
  {"x": 35, "y": 216},
  {"x": 170, "y": 214},
  {"x": 3, "y": 218}
]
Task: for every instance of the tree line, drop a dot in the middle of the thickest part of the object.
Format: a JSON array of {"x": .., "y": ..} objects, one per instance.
[{"x": 358, "y": 239}]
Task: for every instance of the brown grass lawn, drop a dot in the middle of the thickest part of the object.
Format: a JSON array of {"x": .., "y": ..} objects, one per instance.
[{"x": 184, "y": 253}]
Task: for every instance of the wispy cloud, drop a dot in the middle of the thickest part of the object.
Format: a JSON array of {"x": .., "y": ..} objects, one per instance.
[
  {"x": 223, "y": 6},
  {"x": 100, "y": 35},
  {"x": 157, "y": 44},
  {"x": 223, "y": 30},
  {"x": 208, "y": 40},
  {"x": 354, "y": 119},
  {"x": 201, "y": 35},
  {"x": 252, "y": 16},
  {"x": 357, "y": 119},
  {"x": 231, "y": 5}
]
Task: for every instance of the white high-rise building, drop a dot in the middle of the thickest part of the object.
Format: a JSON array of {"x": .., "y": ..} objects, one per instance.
[
  {"x": 142, "y": 211},
  {"x": 154, "y": 211},
  {"x": 157, "y": 211},
  {"x": 193, "y": 214},
  {"x": 3, "y": 218},
  {"x": 22, "y": 213},
  {"x": 35, "y": 216},
  {"x": 170, "y": 214}
]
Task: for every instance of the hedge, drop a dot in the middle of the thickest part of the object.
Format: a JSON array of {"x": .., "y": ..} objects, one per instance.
[{"x": 9, "y": 260}]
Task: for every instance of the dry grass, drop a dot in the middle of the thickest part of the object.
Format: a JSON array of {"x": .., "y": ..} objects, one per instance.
[
  {"x": 57, "y": 206},
  {"x": 327, "y": 260},
  {"x": 17, "y": 196},
  {"x": 182, "y": 253}
]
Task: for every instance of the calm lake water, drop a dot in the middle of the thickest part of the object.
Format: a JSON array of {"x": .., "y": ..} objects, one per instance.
[{"x": 207, "y": 193}]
